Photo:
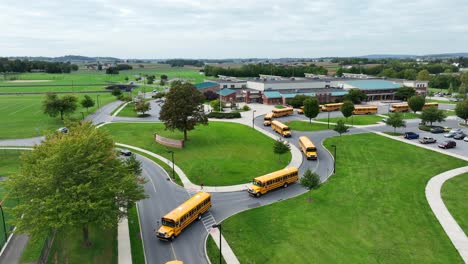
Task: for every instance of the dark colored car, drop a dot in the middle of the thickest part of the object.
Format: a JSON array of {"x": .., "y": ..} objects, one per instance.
[
  {"x": 125, "y": 152},
  {"x": 437, "y": 130},
  {"x": 411, "y": 135},
  {"x": 447, "y": 144},
  {"x": 459, "y": 136}
]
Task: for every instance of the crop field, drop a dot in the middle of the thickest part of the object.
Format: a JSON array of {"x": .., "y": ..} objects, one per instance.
[{"x": 21, "y": 116}]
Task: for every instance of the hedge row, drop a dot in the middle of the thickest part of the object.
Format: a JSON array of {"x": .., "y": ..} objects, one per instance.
[{"x": 223, "y": 115}]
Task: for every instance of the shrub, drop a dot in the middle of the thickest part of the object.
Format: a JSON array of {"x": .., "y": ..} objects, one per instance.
[
  {"x": 222, "y": 115},
  {"x": 425, "y": 128},
  {"x": 246, "y": 108}
]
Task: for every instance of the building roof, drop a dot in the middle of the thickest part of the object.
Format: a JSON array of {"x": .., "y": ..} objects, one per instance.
[
  {"x": 291, "y": 95},
  {"x": 226, "y": 92},
  {"x": 373, "y": 84},
  {"x": 340, "y": 93},
  {"x": 272, "y": 94},
  {"x": 205, "y": 85}
]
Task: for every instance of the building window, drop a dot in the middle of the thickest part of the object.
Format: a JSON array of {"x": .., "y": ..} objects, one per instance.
[
  {"x": 224, "y": 85},
  {"x": 233, "y": 86}
]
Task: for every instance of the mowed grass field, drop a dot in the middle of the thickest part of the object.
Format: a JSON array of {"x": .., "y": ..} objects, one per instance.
[
  {"x": 355, "y": 120},
  {"x": 306, "y": 126},
  {"x": 216, "y": 155},
  {"x": 455, "y": 196},
  {"x": 21, "y": 116},
  {"x": 373, "y": 210}
]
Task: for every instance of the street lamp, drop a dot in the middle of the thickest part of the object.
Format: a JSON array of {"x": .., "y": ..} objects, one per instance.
[
  {"x": 97, "y": 100},
  {"x": 82, "y": 114},
  {"x": 172, "y": 154},
  {"x": 4, "y": 226},
  {"x": 220, "y": 255},
  {"x": 334, "y": 159},
  {"x": 328, "y": 119},
  {"x": 253, "y": 117}
]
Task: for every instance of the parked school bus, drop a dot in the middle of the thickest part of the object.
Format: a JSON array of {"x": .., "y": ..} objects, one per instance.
[
  {"x": 331, "y": 107},
  {"x": 282, "y": 112},
  {"x": 300, "y": 110},
  {"x": 266, "y": 183},
  {"x": 431, "y": 104},
  {"x": 308, "y": 148},
  {"x": 175, "y": 221},
  {"x": 398, "y": 108},
  {"x": 267, "y": 119},
  {"x": 365, "y": 110},
  {"x": 175, "y": 262},
  {"x": 281, "y": 128}
]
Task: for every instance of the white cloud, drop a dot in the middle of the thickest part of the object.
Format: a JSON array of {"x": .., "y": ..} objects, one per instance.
[{"x": 231, "y": 28}]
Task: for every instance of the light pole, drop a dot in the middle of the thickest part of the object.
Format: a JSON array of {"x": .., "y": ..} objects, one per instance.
[
  {"x": 4, "y": 226},
  {"x": 172, "y": 155},
  {"x": 328, "y": 119},
  {"x": 253, "y": 118},
  {"x": 82, "y": 114},
  {"x": 220, "y": 255},
  {"x": 334, "y": 159},
  {"x": 97, "y": 100}
]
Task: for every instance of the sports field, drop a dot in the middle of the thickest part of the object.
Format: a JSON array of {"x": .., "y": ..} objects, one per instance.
[{"x": 21, "y": 116}]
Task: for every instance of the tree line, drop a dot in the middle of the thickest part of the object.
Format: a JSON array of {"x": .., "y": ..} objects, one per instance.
[
  {"x": 19, "y": 66},
  {"x": 253, "y": 70},
  {"x": 182, "y": 62}
]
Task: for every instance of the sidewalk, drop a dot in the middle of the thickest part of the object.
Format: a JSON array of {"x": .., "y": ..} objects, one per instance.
[
  {"x": 123, "y": 241},
  {"x": 450, "y": 226}
]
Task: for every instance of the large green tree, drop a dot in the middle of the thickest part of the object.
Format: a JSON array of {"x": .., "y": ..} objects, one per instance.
[
  {"x": 416, "y": 103},
  {"x": 405, "y": 92},
  {"x": 298, "y": 100},
  {"x": 142, "y": 107},
  {"x": 73, "y": 180},
  {"x": 347, "y": 109},
  {"x": 355, "y": 95},
  {"x": 461, "y": 110},
  {"x": 54, "y": 105},
  {"x": 423, "y": 75},
  {"x": 311, "y": 108},
  {"x": 395, "y": 120},
  {"x": 87, "y": 102},
  {"x": 183, "y": 109},
  {"x": 432, "y": 114}
]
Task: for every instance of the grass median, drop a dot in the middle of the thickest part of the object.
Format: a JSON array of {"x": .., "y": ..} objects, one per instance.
[
  {"x": 373, "y": 210},
  {"x": 306, "y": 126},
  {"x": 358, "y": 120},
  {"x": 219, "y": 154},
  {"x": 455, "y": 196}
]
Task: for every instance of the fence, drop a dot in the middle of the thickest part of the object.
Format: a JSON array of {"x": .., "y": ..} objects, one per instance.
[
  {"x": 175, "y": 143},
  {"x": 46, "y": 248}
]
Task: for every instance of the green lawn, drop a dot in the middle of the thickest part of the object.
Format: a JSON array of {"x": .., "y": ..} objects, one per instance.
[
  {"x": 279, "y": 106},
  {"x": 21, "y": 116},
  {"x": 213, "y": 251},
  {"x": 356, "y": 120},
  {"x": 33, "y": 250},
  {"x": 373, "y": 210},
  {"x": 138, "y": 256},
  {"x": 455, "y": 196},
  {"x": 306, "y": 126},
  {"x": 408, "y": 115},
  {"x": 45, "y": 89},
  {"x": 217, "y": 154},
  {"x": 68, "y": 246},
  {"x": 128, "y": 111}
]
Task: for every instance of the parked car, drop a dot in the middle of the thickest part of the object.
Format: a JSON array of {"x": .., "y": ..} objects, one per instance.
[
  {"x": 447, "y": 129},
  {"x": 459, "y": 136},
  {"x": 411, "y": 135},
  {"x": 453, "y": 132},
  {"x": 125, "y": 152},
  {"x": 465, "y": 139},
  {"x": 437, "y": 130},
  {"x": 427, "y": 140},
  {"x": 63, "y": 130},
  {"x": 447, "y": 144}
]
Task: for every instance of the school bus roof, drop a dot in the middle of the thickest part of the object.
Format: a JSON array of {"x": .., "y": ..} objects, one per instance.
[
  {"x": 365, "y": 107},
  {"x": 306, "y": 141},
  {"x": 269, "y": 115},
  {"x": 400, "y": 105},
  {"x": 282, "y": 110},
  {"x": 187, "y": 206},
  {"x": 278, "y": 123},
  {"x": 275, "y": 174}
]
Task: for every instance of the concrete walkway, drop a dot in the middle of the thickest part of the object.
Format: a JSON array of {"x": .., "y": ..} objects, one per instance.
[
  {"x": 123, "y": 241},
  {"x": 226, "y": 250},
  {"x": 450, "y": 226}
]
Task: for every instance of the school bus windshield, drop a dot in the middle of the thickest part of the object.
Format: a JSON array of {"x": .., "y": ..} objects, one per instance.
[
  {"x": 257, "y": 183},
  {"x": 166, "y": 222}
]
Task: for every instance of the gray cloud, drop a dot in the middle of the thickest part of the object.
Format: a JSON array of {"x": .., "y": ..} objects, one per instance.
[{"x": 214, "y": 28}]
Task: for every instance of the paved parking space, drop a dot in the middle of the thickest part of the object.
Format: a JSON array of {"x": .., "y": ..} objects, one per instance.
[{"x": 461, "y": 148}]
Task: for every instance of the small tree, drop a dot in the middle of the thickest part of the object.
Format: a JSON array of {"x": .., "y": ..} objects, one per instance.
[
  {"x": 164, "y": 77},
  {"x": 116, "y": 92},
  {"x": 142, "y": 107},
  {"x": 210, "y": 95},
  {"x": 53, "y": 105},
  {"x": 461, "y": 110},
  {"x": 405, "y": 92},
  {"x": 340, "y": 127},
  {"x": 280, "y": 147},
  {"x": 432, "y": 114},
  {"x": 395, "y": 120},
  {"x": 416, "y": 103},
  {"x": 87, "y": 102},
  {"x": 216, "y": 105},
  {"x": 311, "y": 108},
  {"x": 310, "y": 180},
  {"x": 347, "y": 109},
  {"x": 112, "y": 70},
  {"x": 355, "y": 95}
]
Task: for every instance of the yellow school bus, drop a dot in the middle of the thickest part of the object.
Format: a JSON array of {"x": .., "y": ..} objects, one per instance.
[
  {"x": 267, "y": 119},
  {"x": 300, "y": 110},
  {"x": 398, "y": 108},
  {"x": 266, "y": 183},
  {"x": 308, "y": 148},
  {"x": 281, "y": 128},
  {"x": 365, "y": 110},
  {"x": 431, "y": 104},
  {"x": 331, "y": 107},
  {"x": 175, "y": 221},
  {"x": 175, "y": 262},
  {"x": 282, "y": 112}
]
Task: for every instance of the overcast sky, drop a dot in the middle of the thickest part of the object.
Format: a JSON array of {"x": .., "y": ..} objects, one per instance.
[{"x": 231, "y": 28}]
